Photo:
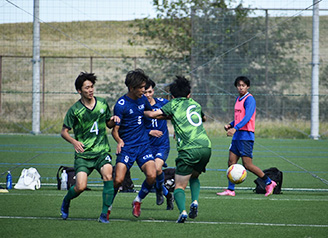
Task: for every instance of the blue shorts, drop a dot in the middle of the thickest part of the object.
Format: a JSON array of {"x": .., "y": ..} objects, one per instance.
[
  {"x": 161, "y": 152},
  {"x": 242, "y": 148},
  {"x": 130, "y": 154}
]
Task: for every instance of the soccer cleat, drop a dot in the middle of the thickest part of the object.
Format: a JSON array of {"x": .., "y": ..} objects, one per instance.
[
  {"x": 136, "y": 210},
  {"x": 269, "y": 188},
  {"x": 193, "y": 212},
  {"x": 103, "y": 218},
  {"x": 64, "y": 209},
  {"x": 169, "y": 201},
  {"x": 183, "y": 217},
  {"x": 159, "y": 197},
  {"x": 108, "y": 212},
  {"x": 227, "y": 192}
]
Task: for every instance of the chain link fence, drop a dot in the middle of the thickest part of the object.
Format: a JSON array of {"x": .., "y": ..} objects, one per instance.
[{"x": 274, "y": 51}]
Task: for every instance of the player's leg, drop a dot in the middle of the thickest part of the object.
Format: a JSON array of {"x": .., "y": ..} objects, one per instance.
[
  {"x": 195, "y": 190},
  {"x": 203, "y": 156},
  {"x": 149, "y": 170},
  {"x": 161, "y": 157},
  {"x": 270, "y": 184},
  {"x": 120, "y": 171},
  {"x": 246, "y": 151},
  {"x": 159, "y": 186},
  {"x": 73, "y": 192},
  {"x": 106, "y": 172},
  {"x": 181, "y": 182},
  {"x": 230, "y": 191}
]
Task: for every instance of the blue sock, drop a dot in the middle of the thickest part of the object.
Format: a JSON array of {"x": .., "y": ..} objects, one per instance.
[
  {"x": 266, "y": 179},
  {"x": 145, "y": 188},
  {"x": 160, "y": 181},
  {"x": 231, "y": 186},
  {"x": 165, "y": 191}
]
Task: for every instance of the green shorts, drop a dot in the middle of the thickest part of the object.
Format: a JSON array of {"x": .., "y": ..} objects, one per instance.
[
  {"x": 192, "y": 159},
  {"x": 88, "y": 165}
]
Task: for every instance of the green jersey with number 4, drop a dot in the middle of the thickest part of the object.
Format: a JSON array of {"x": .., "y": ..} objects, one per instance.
[
  {"x": 186, "y": 116},
  {"x": 89, "y": 127}
]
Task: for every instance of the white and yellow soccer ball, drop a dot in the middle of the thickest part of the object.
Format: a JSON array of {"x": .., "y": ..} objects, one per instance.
[{"x": 236, "y": 173}]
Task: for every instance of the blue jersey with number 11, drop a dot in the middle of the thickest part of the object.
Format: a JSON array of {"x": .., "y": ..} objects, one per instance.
[
  {"x": 132, "y": 125},
  {"x": 161, "y": 125}
]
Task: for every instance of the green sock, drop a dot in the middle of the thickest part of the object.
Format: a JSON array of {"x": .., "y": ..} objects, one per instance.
[
  {"x": 194, "y": 188},
  {"x": 180, "y": 199},
  {"x": 108, "y": 195},
  {"x": 71, "y": 194}
]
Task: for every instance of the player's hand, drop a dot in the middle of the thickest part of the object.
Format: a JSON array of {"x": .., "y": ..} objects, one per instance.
[
  {"x": 119, "y": 146},
  {"x": 115, "y": 119},
  {"x": 227, "y": 127},
  {"x": 156, "y": 133},
  {"x": 231, "y": 132},
  {"x": 78, "y": 146}
]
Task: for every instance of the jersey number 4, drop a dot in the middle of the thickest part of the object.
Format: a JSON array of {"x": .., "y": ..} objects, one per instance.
[{"x": 94, "y": 128}]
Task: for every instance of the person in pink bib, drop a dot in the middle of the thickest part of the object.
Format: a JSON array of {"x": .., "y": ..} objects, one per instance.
[{"x": 242, "y": 131}]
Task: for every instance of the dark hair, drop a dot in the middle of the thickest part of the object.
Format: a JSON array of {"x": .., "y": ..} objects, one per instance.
[
  {"x": 244, "y": 79},
  {"x": 135, "y": 78},
  {"x": 180, "y": 87},
  {"x": 150, "y": 83},
  {"x": 83, "y": 76}
]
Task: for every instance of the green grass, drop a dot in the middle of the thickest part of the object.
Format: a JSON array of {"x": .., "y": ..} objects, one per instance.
[{"x": 301, "y": 211}]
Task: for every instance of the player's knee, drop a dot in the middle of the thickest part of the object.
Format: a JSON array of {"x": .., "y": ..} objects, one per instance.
[
  {"x": 80, "y": 187},
  {"x": 159, "y": 171},
  {"x": 107, "y": 177},
  {"x": 118, "y": 181},
  {"x": 151, "y": 178}
]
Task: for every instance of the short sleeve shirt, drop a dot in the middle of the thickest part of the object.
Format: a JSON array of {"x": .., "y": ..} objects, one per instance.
[
  {"x": 132, "y": 125},
  {"x": 89, "y": 127},
  {"x": 186, "y": 116}
]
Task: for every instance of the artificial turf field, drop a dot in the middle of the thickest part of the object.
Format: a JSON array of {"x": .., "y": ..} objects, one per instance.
[{"x": 301, "y": 211}]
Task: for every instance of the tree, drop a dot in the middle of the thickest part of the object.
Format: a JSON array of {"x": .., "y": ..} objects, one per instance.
[{"x": 213, "y": 44}]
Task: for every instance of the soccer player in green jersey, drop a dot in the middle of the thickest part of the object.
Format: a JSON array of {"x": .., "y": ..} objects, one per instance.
[
  {"x": 88, "y": 118},
  {"x": 193, "y": 144}
]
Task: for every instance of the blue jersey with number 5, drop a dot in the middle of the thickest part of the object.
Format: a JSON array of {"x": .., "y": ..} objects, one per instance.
[{"x": 132, "y": 125}]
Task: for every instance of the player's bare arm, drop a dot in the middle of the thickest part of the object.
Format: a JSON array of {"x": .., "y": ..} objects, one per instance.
[
  {"x": 78, "y": 146},
  {"x": 117, "y": 138},
  {"x": 154, "y": 114}
]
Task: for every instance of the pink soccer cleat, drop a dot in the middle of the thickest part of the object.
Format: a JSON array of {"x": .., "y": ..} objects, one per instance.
[
  {"x": 269, "y": 188},
  {"x": 227, "y": 192}
]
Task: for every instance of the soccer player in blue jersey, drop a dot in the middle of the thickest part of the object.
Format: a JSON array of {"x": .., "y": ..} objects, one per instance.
[
  {"x": 242, "y": 129},
  {"x": 159, "y": 144},
  {"x": 131, "y": 136},
  {"x": 88, "y": 118},
  {"x": 193, "y": 144}
]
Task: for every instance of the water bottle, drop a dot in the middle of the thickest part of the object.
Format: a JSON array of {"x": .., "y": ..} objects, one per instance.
[
  {"x": 9, "y": 181},
  {"x": 64, "y": 178}
]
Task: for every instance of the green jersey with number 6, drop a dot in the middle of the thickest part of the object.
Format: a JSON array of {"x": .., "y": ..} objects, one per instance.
[
  {"x": 90, "y": 127},
  {"x": 186, "y": 116}
]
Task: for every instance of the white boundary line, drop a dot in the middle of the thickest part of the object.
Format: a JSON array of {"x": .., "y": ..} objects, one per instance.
[
  {"x": 167, "y": 221},
  {"x": 216, "y": 188},
  {"x": 271, "y": 198}
]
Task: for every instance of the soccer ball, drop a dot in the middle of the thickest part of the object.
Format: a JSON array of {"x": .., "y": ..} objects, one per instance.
[{"x": 236, "y": 173}]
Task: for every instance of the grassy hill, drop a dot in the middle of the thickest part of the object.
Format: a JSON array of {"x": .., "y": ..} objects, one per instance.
[{"x": 95, "y": 38}]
